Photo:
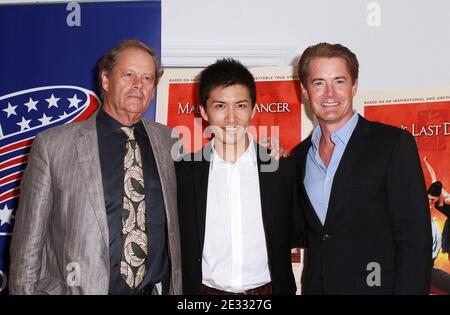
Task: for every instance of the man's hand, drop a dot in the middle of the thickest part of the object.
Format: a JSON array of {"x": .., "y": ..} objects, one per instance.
[{"x": 273, "y": 145}]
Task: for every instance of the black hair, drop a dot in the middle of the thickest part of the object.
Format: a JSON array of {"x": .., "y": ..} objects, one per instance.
[
  {"x": 224, "y": 73},
  {"x": 435, "y": 189}
]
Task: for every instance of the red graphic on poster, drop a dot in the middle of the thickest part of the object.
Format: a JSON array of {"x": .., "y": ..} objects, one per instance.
[
  {"x": 277, "y": 113},
  {"x": 429, "y": 123}
]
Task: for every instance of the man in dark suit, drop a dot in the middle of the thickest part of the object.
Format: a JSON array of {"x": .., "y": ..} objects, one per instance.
[
  {"x": 235, "y": 201},
  {"x": 362, "y": 190}
]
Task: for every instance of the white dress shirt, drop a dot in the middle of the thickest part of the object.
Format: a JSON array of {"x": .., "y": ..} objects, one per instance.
[{"x": 234, "y": 252}]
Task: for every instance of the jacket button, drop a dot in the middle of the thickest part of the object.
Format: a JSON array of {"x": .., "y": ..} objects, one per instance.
[{"x": 325, "y": 237}]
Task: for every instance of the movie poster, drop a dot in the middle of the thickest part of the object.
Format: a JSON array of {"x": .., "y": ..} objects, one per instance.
[
  {"x": 426, "y": 115},
  {"x": 278, "y": 107}
]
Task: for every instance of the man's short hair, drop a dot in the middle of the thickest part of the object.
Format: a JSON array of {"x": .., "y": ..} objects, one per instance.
[
  {"x": 224, "y": 73},
  {"x": 109, "y": 60},
  {"x": 328, "y": 51}
]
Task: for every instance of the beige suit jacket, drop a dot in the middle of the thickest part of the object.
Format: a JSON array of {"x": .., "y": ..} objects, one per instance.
[{"x": 60, "y": 242}]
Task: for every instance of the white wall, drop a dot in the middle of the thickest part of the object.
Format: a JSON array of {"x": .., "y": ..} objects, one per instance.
[{"x": 409, "y": 49}]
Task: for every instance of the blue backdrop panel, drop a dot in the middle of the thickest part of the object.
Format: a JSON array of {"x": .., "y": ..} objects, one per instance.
[{"x": 48, "y": 60}]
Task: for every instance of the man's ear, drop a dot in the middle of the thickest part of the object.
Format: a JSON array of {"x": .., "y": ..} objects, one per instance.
[
  {"x": 105, "y": 80},
  {"x": 304, "y": 91},
  {"x": 355, "y": 87},
  {"x": 203, "y": 112}
]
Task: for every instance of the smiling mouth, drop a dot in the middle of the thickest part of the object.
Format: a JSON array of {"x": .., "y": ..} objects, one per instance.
[
  {"x": 231, "y": 128},
  {"x": 334, "y": 104}
]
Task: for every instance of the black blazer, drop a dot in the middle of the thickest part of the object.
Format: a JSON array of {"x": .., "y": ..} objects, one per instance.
[
  {"x": 277, "y": 201},
  {"x": 378, "y": 212}
]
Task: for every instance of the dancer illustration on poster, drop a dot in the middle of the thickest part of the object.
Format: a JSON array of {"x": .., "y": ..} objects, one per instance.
[{"x": 439, "y": 198}]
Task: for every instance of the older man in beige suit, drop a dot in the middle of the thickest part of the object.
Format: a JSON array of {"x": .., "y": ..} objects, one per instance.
[{"x": 97, "y": 212}]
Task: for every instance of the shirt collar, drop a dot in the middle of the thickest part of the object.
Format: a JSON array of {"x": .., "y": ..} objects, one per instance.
[
  {"x": 110, "y": 125},
  {"x": 343, "y": 134}
]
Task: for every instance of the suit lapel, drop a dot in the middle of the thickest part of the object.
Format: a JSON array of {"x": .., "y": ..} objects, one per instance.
[
  {"x": 301, "y": 166},
  {"x": 265, "y": 182},
  {"x": 350, "y": 158},
  {"x": 201, "y": 174},
  {"x": 89, "y": 163},
  {"x": 162, "y": 162}
]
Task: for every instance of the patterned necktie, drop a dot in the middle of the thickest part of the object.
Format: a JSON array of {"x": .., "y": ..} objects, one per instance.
[{"x": 134, "y": 249}]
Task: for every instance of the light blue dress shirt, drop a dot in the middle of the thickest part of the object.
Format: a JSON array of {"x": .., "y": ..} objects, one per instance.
[{"x": 318, "y": 178}]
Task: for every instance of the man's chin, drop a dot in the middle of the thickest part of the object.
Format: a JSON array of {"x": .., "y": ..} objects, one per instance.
[
  {"x": 135, "y": 107},
  {"x": 233, "y": 141}
]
